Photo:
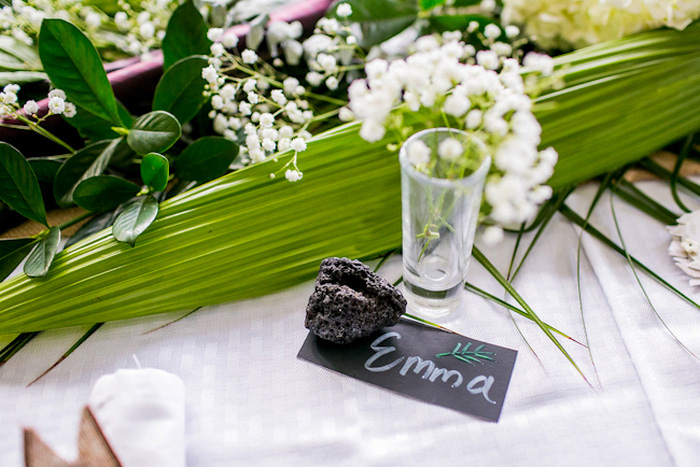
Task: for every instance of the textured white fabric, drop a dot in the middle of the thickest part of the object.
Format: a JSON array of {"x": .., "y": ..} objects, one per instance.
[
  {"x": 251, "y": 402},
  {"x": 142, "y": 414}
]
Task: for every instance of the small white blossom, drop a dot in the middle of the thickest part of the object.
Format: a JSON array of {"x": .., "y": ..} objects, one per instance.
[
  {"x": 278, "y": 98},
  {"x": 293, "y": 175},
  {"x": 214, "y": 34},
  {"x": 512, "y": 31},
  {"x": 57, "y": 93},
  {"x": 344, "y": 10},
  {"x": 314, "y": 78},
  {"x": 346, "y": 115},
  {"x": 493, "y": 235},
  {"x": 70, "y": 110},
  {"x": 418, "y": 153},
  {"x": 31, "y": 107},
  {"x": 229, "y": 40},
  {"x": 332, "y": 83},
  {"x": 249, "y": 56},
  {"x": 298, "y": 144},
  {"x": 210, "y": 74},
  {"x": 57, "y": 105},
  {"x": 491, "y": 31},
  {"x": 217, "y": 49},
  {"x": 289, "y": 86},
  {"x": 450, "y": 149}
]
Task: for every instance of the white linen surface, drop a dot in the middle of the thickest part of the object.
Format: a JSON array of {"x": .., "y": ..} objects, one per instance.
[{"x": 251, "y": 402}]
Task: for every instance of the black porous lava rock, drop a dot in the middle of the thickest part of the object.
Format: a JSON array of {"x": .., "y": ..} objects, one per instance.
[{"x": 350, "y": 301}]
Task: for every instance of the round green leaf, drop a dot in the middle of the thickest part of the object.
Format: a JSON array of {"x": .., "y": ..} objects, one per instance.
[
  {"x": 155, "y": 171},
  {"x": 12, "y": 252},
  {"x": 88, "y": 162},
  {"x": 19, "y": 187},
  {"x": 73, "y": 64},
  {"x": 40, "y": 259},
  {"x": 185, "y": 35},
  {"x": 154, "y": 132},
  {"x": 206, "y": 159},
  {"x": 104, "y": 192},
  {"x": 181, "y": 89},
  {"x": 134, "y": 219}
]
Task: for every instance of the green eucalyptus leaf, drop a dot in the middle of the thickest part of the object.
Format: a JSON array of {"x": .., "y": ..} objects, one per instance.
[
  {"x": 44, "y": 168},
  {"x": 379, "y": 20},
  {"x": 185, "y": 35},
  {"x": 206, "y": 159},
  {"x": 154, "y": 132},
  {"x": 20, "y": 77},
  {"x": 94, "y": 225},
  {"x": 181, "y": 89},
  {"x": 19, "y": 187},
  {"x": 88, "y": 162},
  {"x": 73, "y": 64},
  {"x": 155, "y": 170},
  {"x": 97, "y": 129},
  {"x": 12, "y": 252},
  {"x": 104, "y": 192},
  {"x": 134, "y": 219},
  {"x": 40, "y": 259}
]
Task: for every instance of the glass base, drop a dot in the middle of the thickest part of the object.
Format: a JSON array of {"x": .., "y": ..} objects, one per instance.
[{"x": 433, "y": 305}]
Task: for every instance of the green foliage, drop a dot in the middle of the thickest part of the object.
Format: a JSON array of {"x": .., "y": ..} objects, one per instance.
[
  {"x": 17, "y": 56},
  {"x": 19, "y": 187},
  {"x": 379, "y": 20},
  {"x": 155, "y": 171},
  {"x": 94, "y": 225},
  {"x": 72, "y": 63},
  {"x": 97, "y": 129},
  {"x": 154, "y": 132},
  {"x": 429, "y": 4},
  {"x": 12, "y": 252},
  {"x": 40, "y": 259},
  {"x": 206, "y": 159},
  {"x": 44, "y": 168},
  {"x": 104, "y": 192},
  {"x": 134, "y": 219},
  {"x": 186, "y": 35},
  {"x": 181, "y": 89},
  {"x": 88, "y": 162}
]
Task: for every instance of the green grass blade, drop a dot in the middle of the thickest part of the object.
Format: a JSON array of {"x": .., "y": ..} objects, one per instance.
[
  {"x": 479, "y": 256},
  {"x": 639, "y": 282},
  {"x": 575, "y": 218}
]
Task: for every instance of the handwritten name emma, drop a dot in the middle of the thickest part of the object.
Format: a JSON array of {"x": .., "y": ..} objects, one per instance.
[{"x": 478, "y": 385}]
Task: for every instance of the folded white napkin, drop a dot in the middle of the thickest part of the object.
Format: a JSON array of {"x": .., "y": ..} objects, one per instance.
[{"x": 142, "y": 415}]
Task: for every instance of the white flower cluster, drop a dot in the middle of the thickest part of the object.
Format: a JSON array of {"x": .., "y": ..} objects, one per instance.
[
  {"x": 140, "y": 25},
  {"x": 685, "y": 245},
  {"x": 447, "y": 79},
  {"x": 254, "y": 111},
  {"x": 569, "y": 24},
  {"x": 10, "y": 107}
]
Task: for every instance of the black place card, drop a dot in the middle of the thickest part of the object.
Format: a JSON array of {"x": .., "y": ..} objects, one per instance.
[{"x": 435, "y": 366}]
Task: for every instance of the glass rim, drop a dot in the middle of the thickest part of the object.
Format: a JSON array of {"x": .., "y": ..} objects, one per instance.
[{"x": 470, "y": 180}]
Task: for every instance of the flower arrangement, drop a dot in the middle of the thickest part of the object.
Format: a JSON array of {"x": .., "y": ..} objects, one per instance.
[
  {"x": 448, "y": 83},
  {"x": 566, "y": 24},
  {"x": 192, "y": 183}
]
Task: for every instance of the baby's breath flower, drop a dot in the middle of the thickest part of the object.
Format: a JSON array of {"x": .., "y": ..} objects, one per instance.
[
  {"x": 31, "y": 107},
  {"x": 344, "y": 10},
  {"x": 229, "y": 40},
  {"x": 346, "y": 115},
  {"x": 70, "y": 110},
  {"x": 57, "y": 105},
  {"x": 418, "y": 153},
  {"x": 492, "y": 31},
  {"x": 214, "y": 34},
  {"x": 450, "y": 149},
  {"x": 249, "y": 56},
  {"x": 293, "y": 175},
  {"x": 298, "y": 144}
]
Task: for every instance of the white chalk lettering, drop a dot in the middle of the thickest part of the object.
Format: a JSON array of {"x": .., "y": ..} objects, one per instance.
[
  {"x": 420, "y": 364},
  {"x": 446, "y": 375},
  {"x": 381, "y": 351},
  {"x": 484, "y": 390}
]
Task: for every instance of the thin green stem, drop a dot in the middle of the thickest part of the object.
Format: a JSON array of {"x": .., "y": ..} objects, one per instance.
[
  {"x": 676, "y": 170},
  {"x": 46, "y": 134}
]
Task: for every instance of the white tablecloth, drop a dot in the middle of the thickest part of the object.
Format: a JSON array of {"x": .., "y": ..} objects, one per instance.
[{"x": 250, "y": 401}]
